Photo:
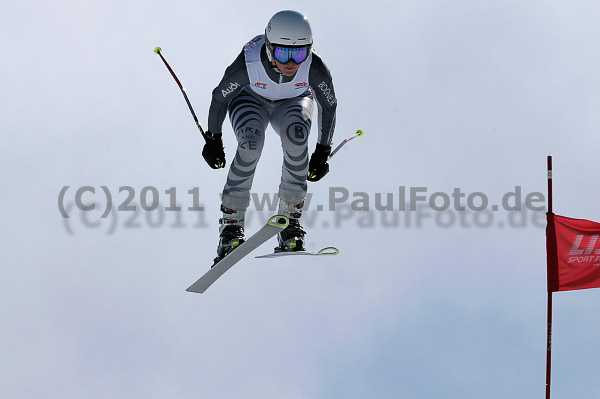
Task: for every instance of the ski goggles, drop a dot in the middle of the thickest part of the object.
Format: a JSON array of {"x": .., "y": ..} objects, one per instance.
[{"x": 285, "y": 54}]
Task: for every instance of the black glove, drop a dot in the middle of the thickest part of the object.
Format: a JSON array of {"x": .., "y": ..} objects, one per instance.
[
  {"x": 213, "y": 151},
  {"x": 318, "y": 166}
]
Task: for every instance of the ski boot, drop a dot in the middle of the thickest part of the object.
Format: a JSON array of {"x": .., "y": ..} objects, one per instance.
[
  {"x": 292, "y": 237},
  {"x": 231, "y": 232}
]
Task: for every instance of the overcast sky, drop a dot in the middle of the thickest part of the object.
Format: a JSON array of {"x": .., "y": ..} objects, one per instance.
[{"x": 451, "y": 305}]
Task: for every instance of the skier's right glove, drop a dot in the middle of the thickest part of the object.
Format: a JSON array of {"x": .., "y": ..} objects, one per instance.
[
  {"x": 318, "y": 166},
  {"x": 213, "y": 151}
]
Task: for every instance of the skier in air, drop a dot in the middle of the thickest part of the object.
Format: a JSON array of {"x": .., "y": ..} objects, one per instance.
[{"x": 275, "y": 79}]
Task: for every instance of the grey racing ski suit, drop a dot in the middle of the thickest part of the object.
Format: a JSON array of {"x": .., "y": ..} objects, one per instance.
[{"x": 256, "y": 95}]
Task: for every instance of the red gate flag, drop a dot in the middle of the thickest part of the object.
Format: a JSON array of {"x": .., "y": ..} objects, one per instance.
[{"x": 573, "y": 253}]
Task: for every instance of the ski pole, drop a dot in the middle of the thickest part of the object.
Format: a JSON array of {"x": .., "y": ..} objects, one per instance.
[
  {"x": 157, "y": 50},
  {"x": 359, "y": 133}
]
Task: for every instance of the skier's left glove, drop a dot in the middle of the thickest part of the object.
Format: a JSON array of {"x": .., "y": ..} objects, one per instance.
[
  {"x": 213, "y": 151},
  {"x": 318, "y": 166}
]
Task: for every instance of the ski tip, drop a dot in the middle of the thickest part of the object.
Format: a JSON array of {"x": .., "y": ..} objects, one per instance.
[
  {"x": 157, "y": 50},
  {"x": 360, "y": 133},
  {"x": 329, "y": 251},
  {"x": 279, "y": 221}
]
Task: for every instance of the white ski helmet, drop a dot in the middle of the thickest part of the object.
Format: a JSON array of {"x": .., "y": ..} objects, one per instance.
[{"x": 287, "y": 28}]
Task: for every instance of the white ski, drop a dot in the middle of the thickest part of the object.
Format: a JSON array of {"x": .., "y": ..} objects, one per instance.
[
  {"x": 324, "y": 251},
  {"x": 273, "y": 226}
]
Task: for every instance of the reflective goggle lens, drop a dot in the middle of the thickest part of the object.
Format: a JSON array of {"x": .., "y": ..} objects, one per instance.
[{"x": 286, "y": 54}]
